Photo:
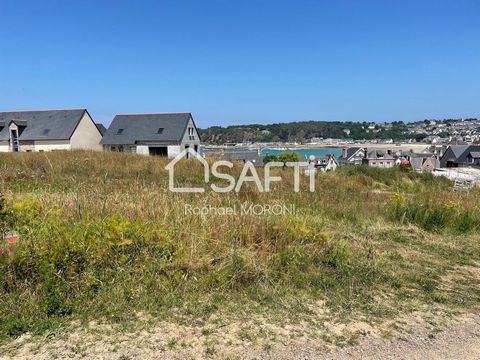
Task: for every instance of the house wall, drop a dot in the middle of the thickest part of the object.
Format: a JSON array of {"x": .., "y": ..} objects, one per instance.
[
  {"x": 130, "y": 149},
  {"x": 142, "y": 150},
  {"x": 174, "y": 150},
  {"x": 26, "y": 146},
  {"x": 428, "y": 165},
  {"x": 4, "y": 146},
  {"x": 471, "y": 162},
  {"x": 380, "y": 163},
  {"x": 12, "y": 127},
  {"x": 86, "y": 135},
  {"x": 186, "y": 139},
  {"x": 447, "y": 156},
  {"x": 332, "y": 166},
  {"x": 52, "y": 145}
]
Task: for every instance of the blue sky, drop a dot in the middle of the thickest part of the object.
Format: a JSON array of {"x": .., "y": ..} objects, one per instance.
[{"x": 244, "y": 61}]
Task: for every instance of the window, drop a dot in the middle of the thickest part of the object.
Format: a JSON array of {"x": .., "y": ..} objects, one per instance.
[
  {"x": 191, "y": 133},
  {"x": 46, "y": 131},
  {"x": 160, "y": 131},
  {"x": 119, "y": 131}
]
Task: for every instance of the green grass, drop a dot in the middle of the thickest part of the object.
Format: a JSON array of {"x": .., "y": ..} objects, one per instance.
[{"x": 102, "y": 238}]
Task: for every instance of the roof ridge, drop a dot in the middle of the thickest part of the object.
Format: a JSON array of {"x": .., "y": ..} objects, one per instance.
[
  {"x": 71, "y": 109},
  {"x": 155, "y": 113}
]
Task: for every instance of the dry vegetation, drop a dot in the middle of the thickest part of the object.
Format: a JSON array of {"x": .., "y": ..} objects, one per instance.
[{"x": 102, "y": 238}]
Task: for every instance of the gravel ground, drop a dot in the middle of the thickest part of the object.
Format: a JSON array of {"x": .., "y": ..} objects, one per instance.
[{"x": 460, "y": 339}]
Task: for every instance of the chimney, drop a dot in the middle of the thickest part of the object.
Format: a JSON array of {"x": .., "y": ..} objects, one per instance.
[
  {"x": 344, "y": 153},
  {"x": 365, "y": 154}
]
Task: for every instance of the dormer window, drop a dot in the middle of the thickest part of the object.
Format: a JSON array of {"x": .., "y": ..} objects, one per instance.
[
  {"x": 120, "y": 131},
  {"x": 46, "y": 131},
  {"x": 160, "y": 131}
]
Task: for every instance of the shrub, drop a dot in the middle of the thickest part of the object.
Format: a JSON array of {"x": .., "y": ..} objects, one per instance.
[
  {"x": 270, "y": 158},
  {"x": 288, "y": 157}
]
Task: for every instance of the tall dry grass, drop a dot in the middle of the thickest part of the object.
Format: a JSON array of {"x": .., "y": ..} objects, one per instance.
[{"x": 102, "y": 237}]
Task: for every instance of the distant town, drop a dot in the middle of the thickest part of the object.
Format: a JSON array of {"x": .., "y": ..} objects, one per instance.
[{"x": 326, "y": 133}]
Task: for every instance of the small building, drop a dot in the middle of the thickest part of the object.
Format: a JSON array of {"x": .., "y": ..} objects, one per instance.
[
  {"x": 451, "y": 155},
  {"x": 352, "y": 156},
  {"x": 162, "y": 134},
  {"x": 48, "y": 130},
  {"x": 461, "y": 156},
  {"x": 379, "y": 158},
  {"x": 424, "y": 162},
  {"x": 326, "y": 163},
  {"x": 470, "y": 157}
]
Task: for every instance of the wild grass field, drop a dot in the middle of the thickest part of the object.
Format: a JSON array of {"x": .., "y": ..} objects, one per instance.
[{"x": 103, "y": 239}]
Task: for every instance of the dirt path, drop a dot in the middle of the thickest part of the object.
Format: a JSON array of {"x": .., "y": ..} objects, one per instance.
[{"x": 458, "y": 340}]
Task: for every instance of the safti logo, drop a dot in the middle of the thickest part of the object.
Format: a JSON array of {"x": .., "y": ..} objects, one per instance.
[{"x": 248, "y": 174}]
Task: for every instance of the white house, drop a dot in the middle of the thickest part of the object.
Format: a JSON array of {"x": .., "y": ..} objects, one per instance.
[
  {"x": 326, "y": 163},
  {"x": 48, "y": 130},
  {"x": 163, "y": 134}
]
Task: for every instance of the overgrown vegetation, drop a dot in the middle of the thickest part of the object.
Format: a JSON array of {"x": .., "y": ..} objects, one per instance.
[{"x": 103, "y": 238}]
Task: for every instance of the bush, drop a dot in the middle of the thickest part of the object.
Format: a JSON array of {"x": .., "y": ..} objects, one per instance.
[
  {"x": 288, "y": 157},
  {"x": 270, "y": 158}
]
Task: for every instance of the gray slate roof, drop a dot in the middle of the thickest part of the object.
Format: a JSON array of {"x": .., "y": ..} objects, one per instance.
[
  {"x": 458, "y": 149},
  {"x": 421, "y": 155},
  {"x": 42, "y": 124},
  {"x": 462, "y": 159},
  {"x": 351, "y": 151},
  {"x": 418, "y": 162},
  {"x": 101, "y": 128},
  {"x": 379, "y": 154},
  {"x": 144, "y": 128}
]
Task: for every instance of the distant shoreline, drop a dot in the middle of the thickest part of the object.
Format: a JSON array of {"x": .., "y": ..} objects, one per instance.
[{"x": 286, "y": 147}]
